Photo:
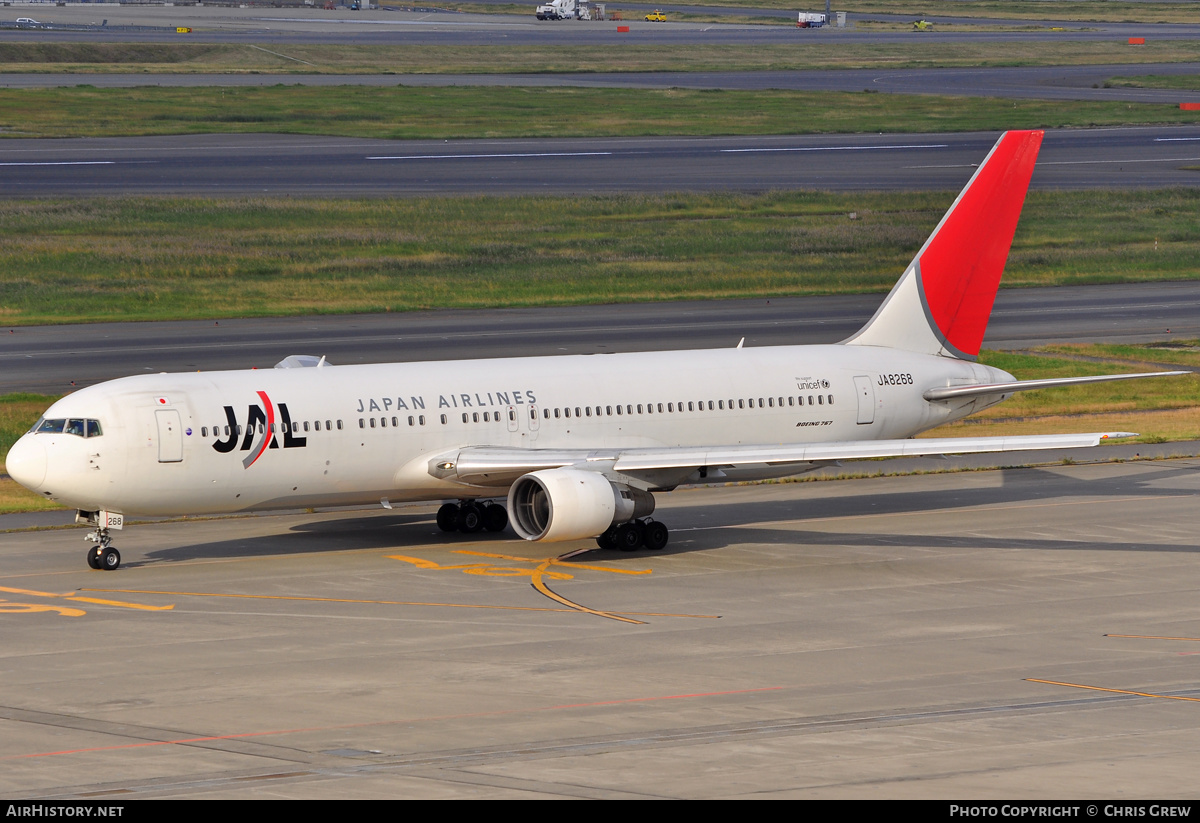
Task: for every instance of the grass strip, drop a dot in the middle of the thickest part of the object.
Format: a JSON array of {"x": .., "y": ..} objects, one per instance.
[
  {"x": 236, "y": 58},
  {"x": 82, "y": 260},
  {"x": 473, "y": 112},
  {"x": 1183, "y": 82}
]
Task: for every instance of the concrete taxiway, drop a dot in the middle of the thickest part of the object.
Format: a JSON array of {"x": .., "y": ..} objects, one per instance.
[{"x": 1026, "y": 633}]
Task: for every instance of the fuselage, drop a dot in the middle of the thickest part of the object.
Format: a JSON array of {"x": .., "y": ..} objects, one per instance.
[{"x": 211, "y": 442}]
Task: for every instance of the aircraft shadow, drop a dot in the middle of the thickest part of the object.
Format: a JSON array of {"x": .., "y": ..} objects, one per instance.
[{"x": 400, "y": 531}]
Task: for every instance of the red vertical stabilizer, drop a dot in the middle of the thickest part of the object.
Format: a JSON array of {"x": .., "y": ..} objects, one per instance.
[{"x": 942, "y": 302}]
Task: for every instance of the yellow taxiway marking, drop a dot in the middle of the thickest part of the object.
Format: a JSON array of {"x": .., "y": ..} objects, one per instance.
[
  {"x": 1114, "y": 691},
  {"x": 301, "y": 598},
  {"x": 539, "y": 574},
  {"x": 1154, "y": 637},
  {"x": 77, "y": 599},
  {"x": 30, "y": 608}
]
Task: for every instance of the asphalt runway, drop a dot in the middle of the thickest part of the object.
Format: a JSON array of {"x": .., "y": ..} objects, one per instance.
[
  {"x": 58, "y": 359},
  {"x": 255, "y": 164},
  {"x": 1026, "y": 634}
]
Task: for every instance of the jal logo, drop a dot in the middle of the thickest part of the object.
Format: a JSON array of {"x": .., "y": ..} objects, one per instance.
[{"x": 259, "y": 434}]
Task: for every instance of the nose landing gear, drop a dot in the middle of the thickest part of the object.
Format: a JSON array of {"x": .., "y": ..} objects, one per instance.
[{"x": 103, "y": 556}]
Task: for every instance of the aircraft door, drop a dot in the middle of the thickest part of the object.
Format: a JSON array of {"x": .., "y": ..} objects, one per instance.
[
  {"x": 170, "y": 436},
  {"x": 866, "y": 399},
  {"x": 535, "y": 422}
]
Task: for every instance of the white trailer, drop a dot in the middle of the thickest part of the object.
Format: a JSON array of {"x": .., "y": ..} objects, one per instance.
[
  {"x": 810, "y": 20},
  {"x": 563, "y": 10}
]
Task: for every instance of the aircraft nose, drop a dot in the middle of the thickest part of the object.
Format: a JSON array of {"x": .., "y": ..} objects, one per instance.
[{"x": 26, "y": 462}]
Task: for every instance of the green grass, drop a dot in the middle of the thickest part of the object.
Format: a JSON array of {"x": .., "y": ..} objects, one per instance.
[
  {"x": 17, "y": 413},
  {"x": 634, "y": 56},
  {"x": 1184, "y": 82},
  {"x": 459, "y": 112},
  {"x": 84, "y": 260}
]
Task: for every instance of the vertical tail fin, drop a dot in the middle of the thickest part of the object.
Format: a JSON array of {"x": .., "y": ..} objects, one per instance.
[{"x": 942, "y": 302}]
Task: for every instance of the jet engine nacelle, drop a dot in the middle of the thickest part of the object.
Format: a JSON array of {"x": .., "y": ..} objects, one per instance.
[{"x": 570, "y": 504}]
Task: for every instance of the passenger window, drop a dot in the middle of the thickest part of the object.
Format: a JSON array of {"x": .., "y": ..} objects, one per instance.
[
  {"x": 820, "y": 400},
  {"x": 410, "y": 420},
  {"x": 443, "y": 419},
  {"x": 362, "y": 424},
  {"x": 421, "y": 420},
  {"x": 204, "y": 431},
  {"x": 339, "y": 425},
  {"x": 382, "y": 422}
]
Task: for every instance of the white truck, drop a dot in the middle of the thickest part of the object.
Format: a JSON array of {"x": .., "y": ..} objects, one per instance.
[
  {"x": 563, "y": 10},
  {"x": 810, "y": 20}
]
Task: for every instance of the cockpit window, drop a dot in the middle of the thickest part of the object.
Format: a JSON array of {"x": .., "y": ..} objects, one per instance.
[{"x": 75, "y": 426}]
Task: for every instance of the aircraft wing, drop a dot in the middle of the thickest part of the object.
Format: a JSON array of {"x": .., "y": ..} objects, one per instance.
[{"x": 499, "y": 466}]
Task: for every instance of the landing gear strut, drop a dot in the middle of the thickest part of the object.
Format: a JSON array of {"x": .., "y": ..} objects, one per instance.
[
  {"x": 103, "y": 555},
  {"x": 633, "y": 535},
  {"x": 470, "y": 516}
]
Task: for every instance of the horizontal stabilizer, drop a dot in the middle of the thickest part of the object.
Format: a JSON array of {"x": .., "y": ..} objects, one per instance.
[{"x": 984, "y": 389}]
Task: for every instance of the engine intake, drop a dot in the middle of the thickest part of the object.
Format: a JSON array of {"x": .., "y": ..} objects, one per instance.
[{"x": 570, "y": 504}]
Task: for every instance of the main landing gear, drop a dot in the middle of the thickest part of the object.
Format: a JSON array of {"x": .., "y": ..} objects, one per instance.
[
  {"x": 470, "y": 516},
  {"x": 634, "y": 535},
  {"x": 103, "y": 556}
]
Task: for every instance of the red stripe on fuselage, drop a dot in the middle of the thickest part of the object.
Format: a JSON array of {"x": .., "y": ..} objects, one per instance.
[
  {"x": 270, "y": 427},
  {"x": 962, "y": 263}
]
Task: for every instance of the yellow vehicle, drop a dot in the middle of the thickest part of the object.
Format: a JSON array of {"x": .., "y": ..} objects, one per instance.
[
  {"x": 656, "y": 16},
  {"x": 922, "y": 25}
]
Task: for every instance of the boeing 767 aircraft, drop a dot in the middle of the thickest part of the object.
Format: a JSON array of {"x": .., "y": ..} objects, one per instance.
[{"x": 578, "y": 445}]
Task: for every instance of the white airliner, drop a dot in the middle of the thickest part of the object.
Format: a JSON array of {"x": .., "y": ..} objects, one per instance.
[{"x": 578, "y": 443}]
